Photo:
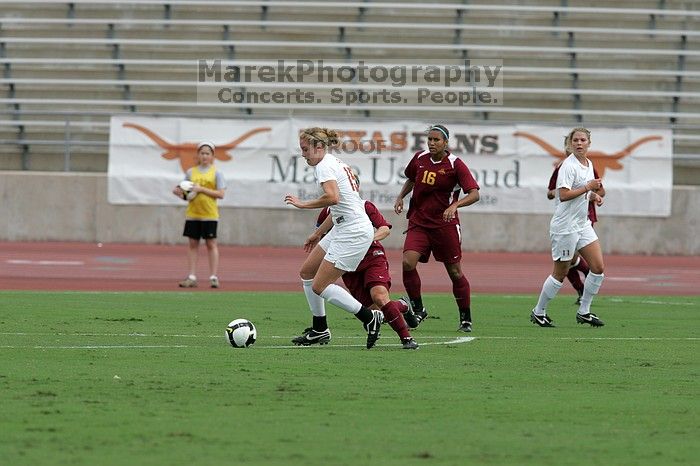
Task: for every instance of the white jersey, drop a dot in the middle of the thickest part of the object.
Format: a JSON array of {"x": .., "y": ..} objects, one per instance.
[
  {"x": 571, "y": 216},
  {"x": 350, "y": 206}
]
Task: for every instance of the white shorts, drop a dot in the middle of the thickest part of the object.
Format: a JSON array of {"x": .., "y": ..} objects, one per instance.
[
  {"x": 347, "y": 244},
  {"x": 565, "y": 246}
]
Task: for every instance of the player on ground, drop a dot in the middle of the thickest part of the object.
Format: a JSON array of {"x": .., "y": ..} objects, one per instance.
[
  {"x": 202, "y": 215},
  {"x": 346, "y": 245},
  {"x": 371, "y": 282},
  {"x": 578, "y": 264},
  {"x": 435, "y": 177},
  {"x": 570, "y": 230}
]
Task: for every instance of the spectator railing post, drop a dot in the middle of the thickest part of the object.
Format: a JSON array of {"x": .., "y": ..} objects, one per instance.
[
  {"x": 21, "y": 136},
  {"x": 458, "y": 30},
  {"x": 66, "y": 146},
  {"x": 7, "y": 70},
  {"x": 679, "y": 78}
]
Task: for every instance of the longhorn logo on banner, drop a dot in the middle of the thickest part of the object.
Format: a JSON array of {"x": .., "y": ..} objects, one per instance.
[
  {"x": 601, "y": 160},
  {"x": 186, "y": 152}
]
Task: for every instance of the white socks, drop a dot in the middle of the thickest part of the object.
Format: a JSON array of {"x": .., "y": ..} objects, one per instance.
[
  {"x": 341, "y": 298},
  {"x": 590, "y": 289},
  {"x": 316, "y": 303},
  {"x": 333, "y": 294},
  {"x": 550, "y": 288}
]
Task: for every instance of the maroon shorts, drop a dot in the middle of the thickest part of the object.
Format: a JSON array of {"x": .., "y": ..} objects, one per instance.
[
  {"x": 372, "y": 271},
  {"x": 445, "y": 243}
]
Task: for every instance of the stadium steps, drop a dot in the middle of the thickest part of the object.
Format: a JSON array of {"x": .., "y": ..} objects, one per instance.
[{"x": 419, "y": 14}]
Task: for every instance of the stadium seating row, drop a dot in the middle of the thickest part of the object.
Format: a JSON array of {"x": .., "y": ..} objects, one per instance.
[{"x": 67, "y": 66}]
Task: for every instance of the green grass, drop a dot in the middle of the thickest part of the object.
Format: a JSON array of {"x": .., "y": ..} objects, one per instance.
[{"x": 160, "y": 385}]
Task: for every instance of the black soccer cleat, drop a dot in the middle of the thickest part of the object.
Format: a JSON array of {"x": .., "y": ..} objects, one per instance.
[
  {"x": 421, "y": 315},
  {"x": 372, "y": 328},
  {"x": 409, "y": 343},
  {"x": 465, "y": 326},
  {"x": 312, "y": 337},
  {"x": 590, "y": 319},
  {"x": 410, "y": 318},
  {"x": 542, "y": 321}
]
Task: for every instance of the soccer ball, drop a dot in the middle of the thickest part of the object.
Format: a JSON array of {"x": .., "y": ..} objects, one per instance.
[
  {"x": 186, "y": 186},
  {"x": 241, "y": 333}
]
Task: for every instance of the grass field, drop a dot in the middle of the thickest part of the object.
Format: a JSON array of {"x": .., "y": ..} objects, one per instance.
[{"x": 148, "y": 379}]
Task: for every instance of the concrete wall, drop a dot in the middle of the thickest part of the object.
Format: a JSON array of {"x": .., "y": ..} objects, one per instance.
[{"x": 51, "y": 206}]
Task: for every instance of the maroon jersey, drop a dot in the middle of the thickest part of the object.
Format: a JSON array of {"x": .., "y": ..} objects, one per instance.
[
  {"x": 592, "y": 215},
  {"x": 437, "y": 185}
]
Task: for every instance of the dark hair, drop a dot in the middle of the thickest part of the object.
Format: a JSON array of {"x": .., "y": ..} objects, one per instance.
[{"x": 445, "y": 132}]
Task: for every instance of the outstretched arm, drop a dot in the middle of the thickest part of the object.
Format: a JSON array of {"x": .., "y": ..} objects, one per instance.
[{"x": 330, "y": 196}]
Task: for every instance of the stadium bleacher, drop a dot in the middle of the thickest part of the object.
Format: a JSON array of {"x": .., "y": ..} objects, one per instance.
[{"x": 69, "y": 66}]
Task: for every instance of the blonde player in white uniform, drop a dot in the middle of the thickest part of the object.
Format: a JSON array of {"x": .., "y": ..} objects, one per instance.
[
  {"x": 343, "y": 248},
  {"x": 570, "y": 230}
]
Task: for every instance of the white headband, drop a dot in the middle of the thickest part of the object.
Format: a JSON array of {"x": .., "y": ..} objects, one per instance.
[
  {"x": 439, "y": 129},
  {"x": 206, "y": 143}
]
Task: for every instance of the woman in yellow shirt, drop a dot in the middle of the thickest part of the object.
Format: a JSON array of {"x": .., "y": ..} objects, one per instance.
[{"x": 202, "y": 215}]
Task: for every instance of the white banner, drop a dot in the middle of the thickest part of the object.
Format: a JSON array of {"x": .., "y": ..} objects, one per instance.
[{"x": 260, "y": 160}]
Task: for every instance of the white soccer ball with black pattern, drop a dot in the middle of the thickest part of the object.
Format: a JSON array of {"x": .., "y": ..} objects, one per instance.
[
  {"x": 241, "y": 333},
  {"x": 186, "y": 186}
]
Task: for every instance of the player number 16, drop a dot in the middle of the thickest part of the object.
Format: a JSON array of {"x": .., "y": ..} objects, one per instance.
[{"x": 428, "y": 177}]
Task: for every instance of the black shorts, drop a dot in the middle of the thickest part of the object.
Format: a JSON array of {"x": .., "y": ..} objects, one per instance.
[{"x": 198, "y": 229}]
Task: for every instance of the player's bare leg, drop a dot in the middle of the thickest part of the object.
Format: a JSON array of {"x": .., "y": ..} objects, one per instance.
[
  {"x": 192, "y": 252},
  {"x": 213, "y": 253},
  {"x": 312, "y": 263}
]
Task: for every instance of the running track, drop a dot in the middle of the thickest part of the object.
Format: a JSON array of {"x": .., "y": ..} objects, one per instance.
[{"x": 139, "y": 267}]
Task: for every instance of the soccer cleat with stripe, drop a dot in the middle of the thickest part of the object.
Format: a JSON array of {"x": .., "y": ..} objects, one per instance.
[
  {"x": 372, "y": 328},
  {"x": 410, "y": 318},
  {"x": 409, "y": 343},
  {"x": 590, "y": 319},
  {"x": 421, "y": 315},
  {"x": 465, "y": 326},
  {"x": 542, "y": 321},
  {"x": 312, "y": 337}
]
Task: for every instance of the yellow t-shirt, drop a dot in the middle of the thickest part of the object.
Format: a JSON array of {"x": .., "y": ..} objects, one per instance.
[{"x": 203, "y": 207}]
